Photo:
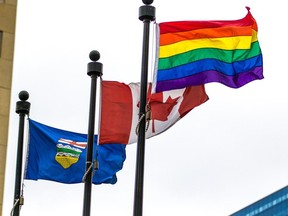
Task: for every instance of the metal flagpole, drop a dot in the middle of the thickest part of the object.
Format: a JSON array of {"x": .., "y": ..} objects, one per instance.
[
  {"x": 94, "y": 70},
  {"x": 22, "y": 108},
  {"x": 146, "y": 14}
]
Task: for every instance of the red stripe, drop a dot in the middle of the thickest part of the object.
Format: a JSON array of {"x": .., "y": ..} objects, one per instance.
[
  {"x": 116, "y": 112},
  {"x": 180, "y": 26}
]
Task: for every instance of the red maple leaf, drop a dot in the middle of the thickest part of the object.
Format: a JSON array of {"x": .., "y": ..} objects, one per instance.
[{"x": 160, "y": 109}]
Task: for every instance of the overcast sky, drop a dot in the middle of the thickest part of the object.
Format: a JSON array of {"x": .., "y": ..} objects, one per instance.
[{"x": 222, "y": 156}]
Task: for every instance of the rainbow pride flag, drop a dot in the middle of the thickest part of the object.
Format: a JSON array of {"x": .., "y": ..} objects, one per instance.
[{"x": 197, "y": 52}]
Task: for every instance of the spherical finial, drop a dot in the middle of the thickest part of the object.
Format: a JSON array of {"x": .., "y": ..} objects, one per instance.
[
  {"x": 147, "y": 2},
  {"x": 94, "y": 55},
  {"x": 23, "y": 95}
]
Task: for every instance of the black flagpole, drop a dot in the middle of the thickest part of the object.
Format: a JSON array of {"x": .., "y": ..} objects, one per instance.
[
  {"x": 22, "y": 108},
  {"x": 146, "y": 14},
  {"x": 94, "y": 70}
]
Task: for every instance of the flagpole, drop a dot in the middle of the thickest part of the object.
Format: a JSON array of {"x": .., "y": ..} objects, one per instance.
[
  {"x": 146, "y": 15},
  {"x": 22, "y": 108},
  {"x": 94, "y": 70}
]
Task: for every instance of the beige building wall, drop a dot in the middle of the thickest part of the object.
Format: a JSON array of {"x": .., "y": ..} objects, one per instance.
[{"x": 7, "y": 30}]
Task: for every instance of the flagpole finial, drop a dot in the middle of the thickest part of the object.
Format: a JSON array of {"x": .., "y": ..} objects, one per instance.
[
  {"x": 147, "y": 2},
  {"x": 23, "y": 95},
  {"x": 94, "y": 55},
  {"x": 94, "y": 67},
  {"x": 147, "y": 12},
  {"x": 23, "y": 106}
]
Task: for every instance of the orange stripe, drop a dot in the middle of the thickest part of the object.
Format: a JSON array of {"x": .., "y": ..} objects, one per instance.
[{"x": 220, "y": 32}]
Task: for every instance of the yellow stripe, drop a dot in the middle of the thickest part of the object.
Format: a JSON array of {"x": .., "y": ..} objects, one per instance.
[{"x": 225, "y": 43}]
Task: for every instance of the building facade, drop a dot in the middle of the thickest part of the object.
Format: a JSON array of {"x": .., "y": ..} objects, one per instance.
[
  {"x": 275, "y": 204},
  {"x": 7, "y": 37}
]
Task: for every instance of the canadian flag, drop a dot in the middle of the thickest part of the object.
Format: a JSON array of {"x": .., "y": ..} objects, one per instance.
[{"x": 120, "y": 109}]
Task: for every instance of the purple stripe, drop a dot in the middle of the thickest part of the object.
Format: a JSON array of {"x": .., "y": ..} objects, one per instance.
[{"x": 212, "y": 76}]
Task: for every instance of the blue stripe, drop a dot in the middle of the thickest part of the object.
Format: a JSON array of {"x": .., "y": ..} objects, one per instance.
[{"x": 229, "y": 69}]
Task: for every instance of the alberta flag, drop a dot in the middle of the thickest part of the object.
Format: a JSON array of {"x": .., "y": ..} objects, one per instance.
[{"x": 60, "y": 156}]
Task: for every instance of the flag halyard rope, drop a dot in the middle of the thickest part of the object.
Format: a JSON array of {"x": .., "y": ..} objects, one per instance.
[
  {"x": 147, "y": 116},
  {"x": 87, "y": 171}
]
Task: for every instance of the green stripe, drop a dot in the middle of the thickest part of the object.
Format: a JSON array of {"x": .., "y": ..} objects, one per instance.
[
  {"x": 71, "y": 151},
  {"x": 227, "y": 56}
]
